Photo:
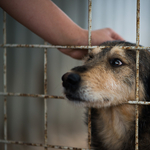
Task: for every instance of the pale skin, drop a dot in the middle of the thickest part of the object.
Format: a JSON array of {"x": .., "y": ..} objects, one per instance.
[{"x": 45, "y": 19}]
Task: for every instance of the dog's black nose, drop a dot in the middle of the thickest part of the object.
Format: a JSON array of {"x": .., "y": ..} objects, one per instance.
[{"x": 71, "y": 81}]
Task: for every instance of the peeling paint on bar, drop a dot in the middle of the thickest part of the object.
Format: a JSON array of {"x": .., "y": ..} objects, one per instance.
[
  {"x": 61, "y": 97},
  {"x": 89, "y": 128},
  {"x": 42, "y": 145},
  {"x": 137, "y": 74},
  {"x": 89, "y": 22},
  {"x": 89, "y": 43},
  {"x": 73, "y": 47},
  {"x": 138, "y": 102},
  {"x": 44, "y": 46},
  {"x": 138, "y": 24},
  {"x": 31, "y": 95}
]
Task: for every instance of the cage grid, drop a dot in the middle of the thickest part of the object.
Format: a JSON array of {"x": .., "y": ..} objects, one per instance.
[{"x": 44, "y": 96}]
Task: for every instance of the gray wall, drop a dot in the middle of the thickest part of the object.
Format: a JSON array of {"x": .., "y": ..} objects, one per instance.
[{"x": 25, "y": 72}]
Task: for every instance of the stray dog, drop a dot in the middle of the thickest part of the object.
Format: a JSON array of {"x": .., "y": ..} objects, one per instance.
[{"x": 106, "y": 82}]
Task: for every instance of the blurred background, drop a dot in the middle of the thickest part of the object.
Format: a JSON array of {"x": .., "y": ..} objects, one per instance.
[{"x": 25, "y": 73}]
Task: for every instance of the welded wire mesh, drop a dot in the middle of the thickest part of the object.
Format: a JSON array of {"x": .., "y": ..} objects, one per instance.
[{"x": 44, "y": 96}]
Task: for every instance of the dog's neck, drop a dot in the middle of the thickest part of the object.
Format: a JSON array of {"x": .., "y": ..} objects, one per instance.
[{"x": 115, "y": 125}]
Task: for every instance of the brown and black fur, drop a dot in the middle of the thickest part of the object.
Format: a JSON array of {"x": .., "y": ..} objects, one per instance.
[{"x": 106, "y": 82}]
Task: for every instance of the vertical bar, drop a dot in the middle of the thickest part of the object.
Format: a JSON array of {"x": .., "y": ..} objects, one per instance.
[
  {"x": 138, "y": 23},
  {"x": 45, "y": 100},
  {"x": 5, "y": 79},
  {"x": 137, "y": 72},
  {"x": 89, "y": 43},
  {"x": 89, "y": 128},
  {"x": 89, "y": 22}
]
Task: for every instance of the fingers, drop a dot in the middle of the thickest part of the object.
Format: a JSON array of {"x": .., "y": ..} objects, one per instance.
[
  {"x": 79, "y": 54},
  {"x": 116, "y": 36},
  {"x": 75, "y": 53}
]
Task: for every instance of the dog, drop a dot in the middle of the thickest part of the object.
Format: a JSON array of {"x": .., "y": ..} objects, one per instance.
[{"x": 106, "y": 82}]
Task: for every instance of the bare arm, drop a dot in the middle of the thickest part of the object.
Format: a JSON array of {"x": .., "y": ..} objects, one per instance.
[{"x": 45, "y": 19}]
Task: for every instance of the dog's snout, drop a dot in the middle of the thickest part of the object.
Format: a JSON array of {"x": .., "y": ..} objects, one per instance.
[{"x": 71, "y": 81}]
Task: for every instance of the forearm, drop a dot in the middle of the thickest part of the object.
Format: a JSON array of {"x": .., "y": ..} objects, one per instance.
[{"x": 45, "y": 19}]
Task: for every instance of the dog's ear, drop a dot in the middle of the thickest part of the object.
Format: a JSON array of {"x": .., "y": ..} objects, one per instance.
[
  {"x": 96, "y": 50},
  {"x": 92, "y": 53}
]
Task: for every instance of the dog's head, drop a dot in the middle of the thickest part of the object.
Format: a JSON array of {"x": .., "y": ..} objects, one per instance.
[{"x": 107, "y": 77}]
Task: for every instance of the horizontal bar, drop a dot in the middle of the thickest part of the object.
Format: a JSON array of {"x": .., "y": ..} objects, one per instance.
[
  {"x": 44, "y": 46},
  {"x": 138, "y": 102},
  {"x": 41, "y": 145},
  {"x": 31, "y": 95},
  {"x": 61, "y": 97},
  {"x": 73, "y": 47}
]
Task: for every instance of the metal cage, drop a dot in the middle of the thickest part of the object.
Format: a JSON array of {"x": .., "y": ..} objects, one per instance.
[{"x": 44, "y": 96}]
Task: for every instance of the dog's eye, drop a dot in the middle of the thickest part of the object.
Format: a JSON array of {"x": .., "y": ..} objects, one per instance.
[{"x": 116, "y": 62}]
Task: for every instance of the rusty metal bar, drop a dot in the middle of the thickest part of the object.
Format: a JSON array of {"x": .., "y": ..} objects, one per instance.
[
  {"x": 89, "y": 128},
  {"x": 41, "y": 145},
  {"x": 89, "y": 43},
  {"x": 61, "y": 97},
  {"x": 5, "y": 79},
  {"x": 31, "y": 95},
  {"x": 44, "y": 46},
  {"x": 138, "y": 103},
  {"x": 137, "y": 99},
  {"x": 73, "y": 47},
  {"x": 138, "y": 24},
  {"x": 89, "y": 22},
  {"x": 45, "y": 100},
  {"x": 137, "y": 73}
]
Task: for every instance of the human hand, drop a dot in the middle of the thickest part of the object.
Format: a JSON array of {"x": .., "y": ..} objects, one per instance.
[
  {"x": 102, "y": 35},
  {"x": 98, "y": 37}
]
